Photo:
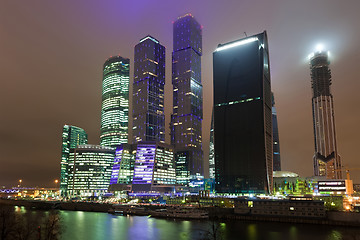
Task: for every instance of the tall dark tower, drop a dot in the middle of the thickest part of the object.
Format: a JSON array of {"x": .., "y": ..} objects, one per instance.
[
  {"x": 186, "y": 119},
  {"x": 242, "y": 116},
  {"x": 327, "y": 162},
  {"x": 148, "y": 91},
  {"x": 276, "y": 141},
  {"x": 115, "y": 102}
]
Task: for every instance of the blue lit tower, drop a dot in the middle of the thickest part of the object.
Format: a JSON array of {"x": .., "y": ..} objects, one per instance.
[
  {"x": 115, "y": 102},
  {"x": 72, "y": 136},
  {"x": 148, "y": 91},
  {"x": 186, "y": 119},
  {"x": 276, "y": 141},
  {"x": 242, "y": 117}
]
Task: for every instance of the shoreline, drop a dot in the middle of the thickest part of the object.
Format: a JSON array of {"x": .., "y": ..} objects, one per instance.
[{"x": 349, "y": 219}]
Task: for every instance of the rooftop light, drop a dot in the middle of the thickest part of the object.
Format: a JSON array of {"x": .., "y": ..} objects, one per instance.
[{"x": 237, "y": 43}]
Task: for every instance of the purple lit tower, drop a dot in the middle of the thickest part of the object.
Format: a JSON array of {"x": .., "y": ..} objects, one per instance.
[
  {"x": 148, "y": 91},
  {"x": 186, "y": 119}
]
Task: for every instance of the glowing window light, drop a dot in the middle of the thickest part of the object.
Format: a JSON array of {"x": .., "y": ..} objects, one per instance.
[{"x": 238, "y": 43}]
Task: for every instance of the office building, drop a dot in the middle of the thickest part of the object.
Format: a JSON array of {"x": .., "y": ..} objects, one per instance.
[
  {"x": 123, "y": 167},
  {"x": 72, "y": 136},
  {"x": 327, "y": 162},
  {"x": 276, "y": 141},
  {"x": 115, "y": 102},
  {"x": 186, "y": 119},
  {"x": 89, "y": 170},
  {"x": 242, "y": 117},
  {"x": 148, "y": 91},
  {"x": 148, "y": 166}
]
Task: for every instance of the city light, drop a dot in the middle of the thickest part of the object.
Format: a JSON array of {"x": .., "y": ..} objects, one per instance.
[{"x": 237, "y": 43}]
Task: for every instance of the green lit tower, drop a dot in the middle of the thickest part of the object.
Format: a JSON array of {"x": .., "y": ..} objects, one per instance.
[
  {"x": 72, "y": 136},
  {"x": 115, "y": 102}
]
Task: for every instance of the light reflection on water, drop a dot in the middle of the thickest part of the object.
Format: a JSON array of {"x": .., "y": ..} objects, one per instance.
[{"x": 98, "y": 226}]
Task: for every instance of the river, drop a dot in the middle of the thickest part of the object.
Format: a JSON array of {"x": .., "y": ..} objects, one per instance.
[{"x": 97, "y": 226}]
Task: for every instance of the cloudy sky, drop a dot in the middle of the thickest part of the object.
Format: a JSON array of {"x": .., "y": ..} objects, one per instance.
[{"x": 52, "y": 52}]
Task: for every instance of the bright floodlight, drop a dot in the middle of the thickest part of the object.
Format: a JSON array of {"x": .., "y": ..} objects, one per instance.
[{"x": 319, "y": 47}]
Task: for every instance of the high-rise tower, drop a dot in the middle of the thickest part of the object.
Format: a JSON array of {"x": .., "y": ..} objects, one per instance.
[
  {"x": 242, "y": 116},
  {"x": 276, "y": 141},
  {"x": 327, "y": 162},
  {"x": 72, "y": 136},
  {"x": 148, "y": 91},
  {"x": 115, "y": 102},
  {"x": 186, "y": 119}
]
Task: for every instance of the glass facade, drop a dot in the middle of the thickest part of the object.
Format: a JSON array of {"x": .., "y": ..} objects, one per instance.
[
  {"x": 154, "y": 165},
  {"x": 186, "y": 119},
  {"x": 211, "y": 150},
  {"x": 148, "y": 91},
  {"x": 72, "y": 136},
  {"x": 123, "y": 168},
  {"x": 145, "y": 165},
  {"x": 242, "y": 117},
  {"x": 326, "y": 158},
  {"x": 115, "y": 102},
  {"x": 89, "y": 170},
  {"x": 276, "y": 141}
]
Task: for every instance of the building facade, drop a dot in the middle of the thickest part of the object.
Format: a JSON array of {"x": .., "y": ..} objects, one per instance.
[
  {"x": 186, "y": 119},
  {"x": 115, "y": 102},
  {"x": 211, "y": 150},
  {"x": 276, "y": 140},
  {"x": 148, "y": 166},
  {"x": 123, "y": 167},
  {"x": 148, "y": 91},
  {"x": 242, "y": 117},
  {"x": 89, "y": 170},
  {"x": 327, "y": 162},
  {"x": 72, "y": 136}
]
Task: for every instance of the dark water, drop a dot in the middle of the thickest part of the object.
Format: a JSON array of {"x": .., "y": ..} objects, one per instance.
[{"x": 90, "y": 225}]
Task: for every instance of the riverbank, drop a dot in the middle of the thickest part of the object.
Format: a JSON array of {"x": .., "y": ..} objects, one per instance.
[{"x": 215, "y": 213}]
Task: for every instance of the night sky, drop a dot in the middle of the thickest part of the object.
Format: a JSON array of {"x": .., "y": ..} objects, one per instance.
[{"x": 52, "y": 53}]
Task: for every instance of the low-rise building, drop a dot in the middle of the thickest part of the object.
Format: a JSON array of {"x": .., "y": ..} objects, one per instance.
[{"x": 289, "y": 208}]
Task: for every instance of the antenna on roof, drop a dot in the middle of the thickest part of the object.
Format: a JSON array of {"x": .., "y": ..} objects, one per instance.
[{"x": 245, "y": 34}]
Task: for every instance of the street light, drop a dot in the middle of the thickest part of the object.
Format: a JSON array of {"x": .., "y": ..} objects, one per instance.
[{"x": 20, "y": 181}]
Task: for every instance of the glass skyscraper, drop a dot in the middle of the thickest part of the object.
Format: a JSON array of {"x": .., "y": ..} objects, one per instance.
[
  {"x": 72, "y": 136},
  {"x": 242, "y": 117},
  {"x": 327, "y": 162},
  {"x": 212, "y": 150},
  {"x": 276, "y": 141},
  {"x": 115, "y": 102},
  {"x": 148, "y": 91},
  {"x": 89, "y": 170},
  {"x": 186, "y": 119}
]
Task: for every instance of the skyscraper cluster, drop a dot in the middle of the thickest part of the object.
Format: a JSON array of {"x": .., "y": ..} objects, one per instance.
[
  {"x": 146, "y": 162},
  {"x": 244, "y": 138}
]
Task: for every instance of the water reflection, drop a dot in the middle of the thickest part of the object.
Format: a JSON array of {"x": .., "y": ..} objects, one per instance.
[{"x": 98, "y": 226}]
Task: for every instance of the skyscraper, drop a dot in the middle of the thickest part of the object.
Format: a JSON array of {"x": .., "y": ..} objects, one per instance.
[
  {"x": 148, "y": 91},
  {"x": 115, "y": 102},
  {"x": 211, "y": 150},
  {"x": 186, "y": 119},
  {"x": 327, "y": 162},
  {"x": 72, "y": 136},
  {"x": 242, "y": 116},
  {"x": 276, "y": 141}
]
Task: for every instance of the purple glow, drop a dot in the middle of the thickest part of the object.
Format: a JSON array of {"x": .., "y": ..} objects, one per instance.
[
  {"x": 144, "y": 164},
  {"x": 116, "y": 167}
]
